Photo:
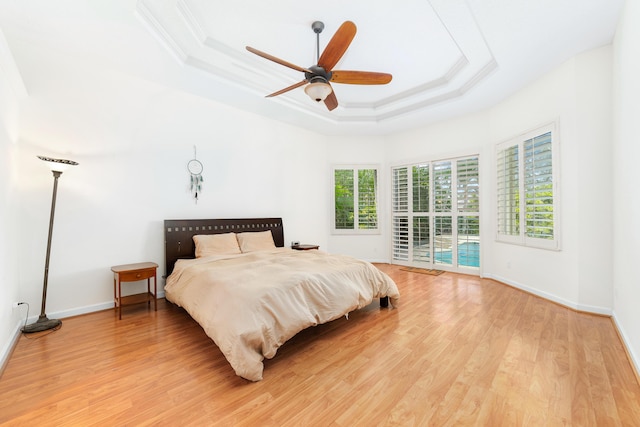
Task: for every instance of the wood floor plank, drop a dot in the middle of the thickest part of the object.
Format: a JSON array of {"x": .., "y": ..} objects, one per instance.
[{"x": 459, "y": 350}]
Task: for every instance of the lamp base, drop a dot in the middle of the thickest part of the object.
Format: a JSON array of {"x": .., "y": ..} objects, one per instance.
[{"x": 42, "y": 324}]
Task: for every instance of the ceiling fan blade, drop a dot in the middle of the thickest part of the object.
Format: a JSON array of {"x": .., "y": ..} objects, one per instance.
[
  {"x": 277, "y": 60},
  {"x": 360, "y": 77},
  {"x": 331, "y": 101},
  {"x": 287, "y": 89},
  {"x": 337, "y": 46}
]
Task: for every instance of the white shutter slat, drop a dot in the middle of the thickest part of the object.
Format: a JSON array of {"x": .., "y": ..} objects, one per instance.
[
  {"x": 508, "y": 190},
  {"x": 442, "y": 186},
  {"x": 400, "y": 238},
  {"x": 400, "y": 190},
  {"x": 468, "y": 185}
]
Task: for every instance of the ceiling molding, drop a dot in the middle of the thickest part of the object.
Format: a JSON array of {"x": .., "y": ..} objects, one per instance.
[
  {"x": 149, "y": 17},
  {"x": 441, "y": 81},
  {"x": 447, "y": 57},
  {"x": 185, "y": 34}
]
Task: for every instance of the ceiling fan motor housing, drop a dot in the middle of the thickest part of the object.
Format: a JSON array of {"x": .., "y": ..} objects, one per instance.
[{"x": 318, "y": 74}]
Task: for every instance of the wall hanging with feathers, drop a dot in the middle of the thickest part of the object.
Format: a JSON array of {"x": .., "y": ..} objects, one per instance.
[{"x": 195, "y": 170}]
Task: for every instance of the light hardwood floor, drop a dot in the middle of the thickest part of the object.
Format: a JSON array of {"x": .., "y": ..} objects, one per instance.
[{"x": 458, "y": 351}]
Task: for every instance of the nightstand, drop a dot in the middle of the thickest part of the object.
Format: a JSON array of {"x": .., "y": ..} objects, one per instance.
[
  {"x": 134, "y": 273},
  {"x": 304, "y": 247}
]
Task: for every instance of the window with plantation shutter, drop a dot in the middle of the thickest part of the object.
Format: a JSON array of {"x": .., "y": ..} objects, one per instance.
[
  {"x": 442, "y": 186},
  {"x": 436, "y": 214},
  {"x": 355, "y": 200},
  {"x": 538, "y": 187},
  {"x": 367, "y": 199},
  {"x": 508, "y": 192},
  {"x": 468, "y": 220},
  {"x": 420, "y": 175},
  {"x": 526, "y": 194},
  {"x": 421, "y": 239},
  {"x": 400, "y": 208},
  {"x": 443, "y": 240},
  {"x": 469, "y": 241},
  {"x": 344, "y": 201},
  {"x": 420, "y": 184},
  {"x": 468, "y": 185},
  {"x": 400, "y": 190},
  {"x": 400, "y": 238}
]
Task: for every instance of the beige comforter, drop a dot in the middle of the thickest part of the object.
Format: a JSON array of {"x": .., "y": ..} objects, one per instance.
[{"x": 251, "y": 304}]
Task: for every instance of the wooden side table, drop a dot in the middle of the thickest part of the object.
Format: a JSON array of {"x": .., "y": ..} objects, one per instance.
[
  {"x": 299, "y": 247},
  {"x": 134, "y": 273}
]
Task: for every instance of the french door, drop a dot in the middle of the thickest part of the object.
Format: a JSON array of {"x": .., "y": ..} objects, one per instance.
[{"x": 436, "y": 214}]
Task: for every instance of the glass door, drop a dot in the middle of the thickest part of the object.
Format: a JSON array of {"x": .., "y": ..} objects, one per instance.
[{"x": 436, "y": 214}]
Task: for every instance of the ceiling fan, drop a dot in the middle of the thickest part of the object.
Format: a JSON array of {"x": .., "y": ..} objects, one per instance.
[{"x": 317, "y": 77}]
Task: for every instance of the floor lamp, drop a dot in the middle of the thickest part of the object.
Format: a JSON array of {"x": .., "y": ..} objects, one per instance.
[{"x": 43, "y": 323}]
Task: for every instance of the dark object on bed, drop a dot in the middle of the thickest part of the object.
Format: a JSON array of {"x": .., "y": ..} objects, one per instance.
[{"x": 178, "y": 234}]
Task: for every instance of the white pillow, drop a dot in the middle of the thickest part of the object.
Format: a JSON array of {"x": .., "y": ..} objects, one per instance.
[
  {"x": 256, "y": 241},
  {"x": 216, "y": 244}
]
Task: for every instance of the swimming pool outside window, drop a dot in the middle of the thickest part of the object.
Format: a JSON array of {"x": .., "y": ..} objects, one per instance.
[{"x": 435, "y": 214}]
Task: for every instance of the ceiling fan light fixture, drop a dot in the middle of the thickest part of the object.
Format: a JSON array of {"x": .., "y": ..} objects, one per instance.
[{"x": 318, "y": 91}]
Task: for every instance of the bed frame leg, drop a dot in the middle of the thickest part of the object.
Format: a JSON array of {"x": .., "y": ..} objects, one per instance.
[{"x": 384, "y": 302}]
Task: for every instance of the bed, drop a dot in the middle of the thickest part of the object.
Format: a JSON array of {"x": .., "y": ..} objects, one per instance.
[{"x": 251, "y": 294}]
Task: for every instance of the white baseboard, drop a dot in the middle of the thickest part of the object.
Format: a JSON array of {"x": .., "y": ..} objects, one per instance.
[
  {"x": 635, "y": 360},
  {"x": 77, "y": 311},
  {"x": 570, "y": 304},
  {"x": 82, "y": 310},
  {"x": 8, "y": 348}
]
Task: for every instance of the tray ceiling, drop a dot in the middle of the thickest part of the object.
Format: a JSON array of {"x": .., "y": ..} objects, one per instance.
[{"x": 447, "y": 57}]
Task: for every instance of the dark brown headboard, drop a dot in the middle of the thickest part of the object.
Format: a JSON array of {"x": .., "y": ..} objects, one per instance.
[{"x": 178, "y": 234}]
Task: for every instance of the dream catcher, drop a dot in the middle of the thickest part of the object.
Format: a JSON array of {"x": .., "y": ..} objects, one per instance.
[{"x": 195, "y": 169}]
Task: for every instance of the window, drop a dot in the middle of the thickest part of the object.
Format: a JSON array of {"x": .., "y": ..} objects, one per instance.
[
  {"x": 436, "y": 214},
  {"x": 400, "y": 204},
  {"x": 526, "y": 194},
  {"x": 355, "y": 201}
]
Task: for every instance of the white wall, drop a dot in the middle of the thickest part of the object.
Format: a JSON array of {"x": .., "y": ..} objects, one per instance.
[
  {"x": 10, "y": 93},
  {"x": 133, "y": 140},
  {"x": 578, "y": 95},
  {"x": 626, "y": 203},
  {"x": 360, "y": 151},
  {"x": 594, "y": 179},
  {"x": 8, "y": 243}
]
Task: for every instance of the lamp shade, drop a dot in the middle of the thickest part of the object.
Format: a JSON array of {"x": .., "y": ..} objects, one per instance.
[
  {"x": 318, "y": 91},
  {"x": 57, "y": 165}
]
